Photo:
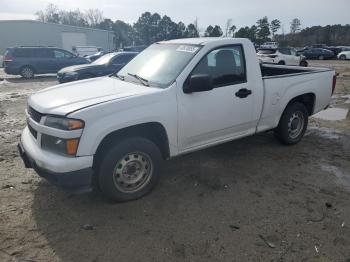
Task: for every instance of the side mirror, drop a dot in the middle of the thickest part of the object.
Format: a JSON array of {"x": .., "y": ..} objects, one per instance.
[{"x": 198, "y": 83}]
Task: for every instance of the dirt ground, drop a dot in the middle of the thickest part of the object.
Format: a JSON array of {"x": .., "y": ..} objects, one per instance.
[{"x": 248, "y": 200}]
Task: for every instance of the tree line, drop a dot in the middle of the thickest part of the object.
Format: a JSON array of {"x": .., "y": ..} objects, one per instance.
[{"x": 152, "y": 27}]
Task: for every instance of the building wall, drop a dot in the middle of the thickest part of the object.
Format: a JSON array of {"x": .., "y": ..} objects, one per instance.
[{"x": 30, "y": 32}]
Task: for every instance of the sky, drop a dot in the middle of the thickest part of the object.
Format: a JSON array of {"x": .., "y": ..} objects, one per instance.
[{"x": 242, "y": 12}]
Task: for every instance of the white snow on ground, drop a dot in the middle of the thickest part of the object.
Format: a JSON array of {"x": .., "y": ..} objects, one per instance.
[
  {"x": 332, "y": 114},
  {"x": 342, "y": 178},
  {"x": 18, "y": 94},
  {"x": 323, "y": 132}
]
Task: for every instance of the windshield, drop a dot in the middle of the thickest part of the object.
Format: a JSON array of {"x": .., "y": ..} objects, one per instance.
[
  {"x": 104, "y": 59},
  {"x": 159, "y": 64}
]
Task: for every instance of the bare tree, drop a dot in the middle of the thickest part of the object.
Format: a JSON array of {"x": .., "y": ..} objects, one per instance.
[
  {"x": 50, "y": 14},
  {"x": 94, "y": 17},
  {"x": 228, "y": 27},
  {"x": 76, "y": 18},
  {"x": 275, "y": 26},
  {"x": 233, "y": 29},
  {"x": 295, "y": 26}
]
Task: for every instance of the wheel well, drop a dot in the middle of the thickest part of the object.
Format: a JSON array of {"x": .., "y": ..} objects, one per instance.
[
  {"x": 307, "y": 99},
  {"x": 153, "y": 131},
  {"x": 282, "y": 62}
]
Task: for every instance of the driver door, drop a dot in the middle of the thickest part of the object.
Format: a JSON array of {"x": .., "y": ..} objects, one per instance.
[{"x": 220, "y": 114}]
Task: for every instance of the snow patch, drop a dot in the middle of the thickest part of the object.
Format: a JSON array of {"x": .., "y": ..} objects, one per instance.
[
  {"x": 324, "y": 132},
  {"x": 342, "y": 178},
  {"x": 332, "y": 114}
]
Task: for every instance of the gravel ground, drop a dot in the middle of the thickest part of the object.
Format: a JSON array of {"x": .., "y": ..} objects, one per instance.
[{"x": 248, "y": 200}]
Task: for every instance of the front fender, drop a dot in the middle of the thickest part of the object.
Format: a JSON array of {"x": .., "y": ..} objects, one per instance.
[{"x": 103, "y": 119}]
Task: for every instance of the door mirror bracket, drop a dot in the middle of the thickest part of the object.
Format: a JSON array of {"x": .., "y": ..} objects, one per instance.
[{"x": 198, "y": 83}]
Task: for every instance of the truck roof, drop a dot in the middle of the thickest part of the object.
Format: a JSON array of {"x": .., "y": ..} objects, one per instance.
[{"x": 204, "y": 40}]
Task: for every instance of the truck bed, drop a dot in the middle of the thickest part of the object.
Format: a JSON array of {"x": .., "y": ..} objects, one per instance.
[
  {"x": 268, "y": 70},
  {"x": 283, "y": 82}
]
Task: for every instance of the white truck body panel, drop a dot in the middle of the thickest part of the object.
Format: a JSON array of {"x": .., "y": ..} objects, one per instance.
[{"x": 278, "y": 93}]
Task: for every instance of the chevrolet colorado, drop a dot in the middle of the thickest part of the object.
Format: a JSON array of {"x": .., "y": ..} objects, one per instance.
[{"x": 175, "y": 97}]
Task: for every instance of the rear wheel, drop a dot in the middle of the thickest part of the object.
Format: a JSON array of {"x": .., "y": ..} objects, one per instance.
[
  {"x": 27, "y": 72},
  {"x": 281, "y": 63},
  {"x": 130, "y": 169},
  {"x": 342, "y": 57},
  {"x": 293, "y": 124},
  {"x": 321, "y": 57}
]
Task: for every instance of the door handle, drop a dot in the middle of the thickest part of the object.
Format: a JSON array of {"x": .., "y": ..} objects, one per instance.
[{"x": 243, "y": 93}]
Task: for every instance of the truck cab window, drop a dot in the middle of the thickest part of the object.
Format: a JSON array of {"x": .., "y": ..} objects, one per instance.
[{"x": 225, "y": 65}]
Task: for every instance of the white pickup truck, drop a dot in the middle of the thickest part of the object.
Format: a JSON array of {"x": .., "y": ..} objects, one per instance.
[{"x": 175, "y": 97}]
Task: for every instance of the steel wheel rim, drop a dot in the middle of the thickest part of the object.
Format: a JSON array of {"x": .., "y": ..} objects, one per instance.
[
  {"x": 133, "y": 172},
  {"x": 27, "y": 72},
  {"x": 296, "y": 125}
]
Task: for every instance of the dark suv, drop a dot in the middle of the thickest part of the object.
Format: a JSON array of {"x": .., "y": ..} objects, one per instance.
[{"x": 28, "y": 61}]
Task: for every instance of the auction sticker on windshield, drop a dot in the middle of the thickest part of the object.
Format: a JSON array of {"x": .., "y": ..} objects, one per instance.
[{"x": 187, "y": 48}]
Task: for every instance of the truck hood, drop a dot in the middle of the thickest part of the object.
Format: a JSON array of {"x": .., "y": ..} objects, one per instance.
[{"x": 66, "y": 98}]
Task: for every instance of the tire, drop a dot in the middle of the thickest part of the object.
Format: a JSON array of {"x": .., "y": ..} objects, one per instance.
[
  {"x": 281, "y": 63},
  {"x": 304, "y": 63},
  {"x": 293, "y": 124},
  {"x": 129, "y": 169},
  {"x": 27, "y": 72},
  {"x": 321, "y": 57},
  {"x": 342, "y": 57}
]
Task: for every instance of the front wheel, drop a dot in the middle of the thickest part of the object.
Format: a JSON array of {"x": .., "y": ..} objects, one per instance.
[
  {"x": 304, "y": 63},
  {"x": 130, "y": 169},
  {"x": 321, "y": 57},
  {"x": 293, "y": 124},
  {"x": 342, "y": 57}
]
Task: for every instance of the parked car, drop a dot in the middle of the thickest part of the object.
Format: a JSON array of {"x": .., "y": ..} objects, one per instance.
[
  {"x": 173, "y": 98},
  {"x": 85, "y": 50},
  {"x": 335, "y": 50},
  {"x": 28, "y": 61},
  {"x": 138, "y": 48},
  {"x": 318, "y": 53},
  {"x": 324, "y": 46},
  {"x": 105, "y": 65},
  {"x": 344, "y": 55},
  {"x": 96, "y": 56},
  {"x": 281, "y": 56},
  {"x": 269, "y": 45}
]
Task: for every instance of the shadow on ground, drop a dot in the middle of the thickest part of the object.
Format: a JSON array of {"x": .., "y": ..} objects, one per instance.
[{"x": 235, "y": 202}]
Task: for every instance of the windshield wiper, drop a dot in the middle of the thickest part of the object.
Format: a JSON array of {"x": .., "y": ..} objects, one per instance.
[
  {"x": 141, "y": 79},
  {"x": 119, "y": 76}
]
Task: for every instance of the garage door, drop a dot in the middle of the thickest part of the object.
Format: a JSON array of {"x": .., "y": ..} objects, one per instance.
[{"x": 70, "y": 39}]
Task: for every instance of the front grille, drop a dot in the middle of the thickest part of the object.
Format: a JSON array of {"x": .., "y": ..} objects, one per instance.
[
  {"x": 33, "y": 132},
  {"x": 35, "y": 115}
]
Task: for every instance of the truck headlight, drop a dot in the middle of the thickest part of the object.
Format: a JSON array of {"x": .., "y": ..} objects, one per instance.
[
  {"x": 64, "y": 123},
  {"x": 59, "y": 145}
]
